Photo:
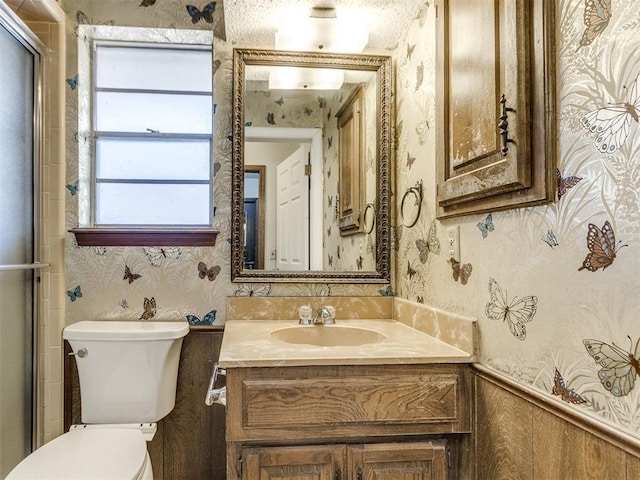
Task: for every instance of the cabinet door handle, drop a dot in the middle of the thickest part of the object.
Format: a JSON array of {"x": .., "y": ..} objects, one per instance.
[
  {"x": 359, "y": 475},
  {"x": 503, "y": 125},
  {"x": 338, "y": 475}
]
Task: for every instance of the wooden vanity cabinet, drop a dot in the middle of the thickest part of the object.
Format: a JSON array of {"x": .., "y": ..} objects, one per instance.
[{"x": 346, "y": 422}]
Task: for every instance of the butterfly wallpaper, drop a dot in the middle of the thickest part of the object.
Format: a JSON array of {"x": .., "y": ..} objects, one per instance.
[
  {"x": 555, "y": 287},
  {"x": 193, "y": 14},
  {"x": 582, "y": 317}
]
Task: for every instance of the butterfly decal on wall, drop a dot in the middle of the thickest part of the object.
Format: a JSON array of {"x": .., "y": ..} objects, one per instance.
[
  {"x": 516, "y": 313},
  {"x": 270, "y": 118},
  {"x": 73, "y": 82},
  {"x": 430, "y": 245},
  {"x": 560, "y": 389},
  {"x": 124, "y": 304},
  {"x": 205, "y": 14},
  {"x": 330, "y": 259},
  {"x": 330, "y": 200},
  {"x": 338, "y": 250},
  {"x": 149, "y": 308},
  {"x": 210, "y": 273},
  {"x": 253, "y": 291},
  {"x": 147, "y": 3},
  {"x": 307, "y": 111},
  {"x": 597, "y": 14},
  {"x": 359, "y": 262},
  {"x": 157, "y": 255},
  {"x": 420, "y": 299},
  {"x": 330, "y": 142},
  {"x": 410, "y": 270},
  {"x": 216, "y": 169},
  {"x": 565, "y": 183},
  {"x": 72, "y": 187},
  {"x": 322, "y": 103},
  {"x": 485, "y": 226},
  {"x": 387, "y": 292},
  {"x": 410, "y": 160},
  {"x": 280, "y": 102},
  {"x": 611, "y": 124},
  {"x": 602, "y": 247},
  {"x": 461, "y": 271},
  {"x": 550, "y": 239},
  {"x": 130, "y": 276},
  {"x": 329, "y": 115},
  {"x": 618, "y": 367},
  {"x": 74, "y": 294},
  {"x": 208, "y": 319}
]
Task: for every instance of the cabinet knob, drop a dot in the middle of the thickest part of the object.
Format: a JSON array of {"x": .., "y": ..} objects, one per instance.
[{"x": 359, "y": 475}]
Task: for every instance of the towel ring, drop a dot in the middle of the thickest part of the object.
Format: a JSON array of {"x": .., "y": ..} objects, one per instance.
[
  {"x": 417, "y": 192},
  {"x": 369, "y": 218}
]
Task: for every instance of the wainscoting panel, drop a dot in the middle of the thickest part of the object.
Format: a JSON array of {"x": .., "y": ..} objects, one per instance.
[{"x": 519, "y": 437}]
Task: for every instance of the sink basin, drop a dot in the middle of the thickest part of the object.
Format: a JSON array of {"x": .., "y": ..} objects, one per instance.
[{"x": 327, "y": 335}]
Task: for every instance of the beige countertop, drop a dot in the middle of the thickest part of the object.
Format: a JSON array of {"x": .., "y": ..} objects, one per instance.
[{"x": 249, "y": 343}]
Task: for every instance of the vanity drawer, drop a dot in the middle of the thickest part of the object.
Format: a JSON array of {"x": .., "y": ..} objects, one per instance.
[{"x": 348, "y": 401}]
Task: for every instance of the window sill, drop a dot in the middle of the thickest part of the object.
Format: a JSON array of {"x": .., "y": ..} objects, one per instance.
[{"x": 145, "y": 237}]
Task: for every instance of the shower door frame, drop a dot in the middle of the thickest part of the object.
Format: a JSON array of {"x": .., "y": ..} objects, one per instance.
[{"x": 23, "y": 34}]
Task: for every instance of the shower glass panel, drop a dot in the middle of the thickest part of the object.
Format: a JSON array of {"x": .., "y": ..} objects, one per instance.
[{"x": 18, "y": 208}]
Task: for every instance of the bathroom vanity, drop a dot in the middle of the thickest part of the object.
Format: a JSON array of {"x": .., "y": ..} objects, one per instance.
[{"x": 376, "y": 399}]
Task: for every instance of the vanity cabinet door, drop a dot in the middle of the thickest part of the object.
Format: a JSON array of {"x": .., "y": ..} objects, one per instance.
[
  {"x": 317, "y": 462},
  {"x": 395, "y": 461}
]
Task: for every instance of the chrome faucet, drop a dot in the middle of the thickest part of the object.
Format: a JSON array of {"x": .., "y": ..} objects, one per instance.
[{"x": 325, "y": 316}]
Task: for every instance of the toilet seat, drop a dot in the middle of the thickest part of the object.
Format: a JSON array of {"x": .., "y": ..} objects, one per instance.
[{"x": 96, "y": 453}]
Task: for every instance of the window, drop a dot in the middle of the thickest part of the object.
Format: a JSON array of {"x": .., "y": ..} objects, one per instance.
[{"x": 149, "y": 110}]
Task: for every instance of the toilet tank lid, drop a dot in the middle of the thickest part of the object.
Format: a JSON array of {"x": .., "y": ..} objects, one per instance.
[{"x": 122, "y": 331}]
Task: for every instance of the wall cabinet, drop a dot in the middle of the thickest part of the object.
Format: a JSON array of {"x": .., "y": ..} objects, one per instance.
[
  {"x": 496, "y": 104},
  {"x": 384, "y": 461},
  {"x": 348, "y": 422}
]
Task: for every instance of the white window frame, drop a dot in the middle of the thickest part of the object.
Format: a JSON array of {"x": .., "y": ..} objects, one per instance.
[{"x": 88, "y": 37}]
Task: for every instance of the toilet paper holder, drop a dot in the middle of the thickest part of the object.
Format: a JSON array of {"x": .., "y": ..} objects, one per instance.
[{"x": 216, "y": 395}]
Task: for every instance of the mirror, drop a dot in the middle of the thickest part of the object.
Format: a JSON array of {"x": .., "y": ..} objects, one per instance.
[{"x": 311, "y": 167}]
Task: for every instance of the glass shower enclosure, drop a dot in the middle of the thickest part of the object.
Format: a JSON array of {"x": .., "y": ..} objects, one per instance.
[{"x": 19, "y": 200}]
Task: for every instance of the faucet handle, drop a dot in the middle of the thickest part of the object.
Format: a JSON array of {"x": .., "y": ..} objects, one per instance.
[
  {"x": 330, "y": 319},
  {"x": 306, "y": 317}
]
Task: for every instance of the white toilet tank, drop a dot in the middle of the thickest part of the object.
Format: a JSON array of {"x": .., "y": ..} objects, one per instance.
[{"x": 128, "y": 372}]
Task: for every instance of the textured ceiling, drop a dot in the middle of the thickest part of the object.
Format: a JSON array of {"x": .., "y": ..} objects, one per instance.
[{"x": 253, "y": 22}]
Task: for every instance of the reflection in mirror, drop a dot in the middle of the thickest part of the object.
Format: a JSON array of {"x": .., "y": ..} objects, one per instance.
[
  {"x": 304, "y": 170},
  {"x": 254, "y": 216}
]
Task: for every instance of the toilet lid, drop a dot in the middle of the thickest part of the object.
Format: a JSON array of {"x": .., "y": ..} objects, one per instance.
[{"x": 96, "y": 453}]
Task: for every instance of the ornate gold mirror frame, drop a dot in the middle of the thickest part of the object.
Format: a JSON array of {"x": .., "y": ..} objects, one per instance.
[{"x": 381, "y": 65}]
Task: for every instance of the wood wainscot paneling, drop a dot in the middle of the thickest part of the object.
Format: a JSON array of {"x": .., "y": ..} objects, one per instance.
[
  {"x": 190, "y": 441},
  {"x": 521, "y": 435}
]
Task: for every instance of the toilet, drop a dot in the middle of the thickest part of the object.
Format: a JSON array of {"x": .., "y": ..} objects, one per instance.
[{"x": 128, "y": 375}]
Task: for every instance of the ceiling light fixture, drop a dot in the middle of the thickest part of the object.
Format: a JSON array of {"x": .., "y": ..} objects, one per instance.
[{"x": 322, "y": 30}]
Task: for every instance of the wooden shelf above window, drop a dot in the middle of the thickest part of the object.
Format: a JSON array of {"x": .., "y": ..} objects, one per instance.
[{"x": 145, "y": 237}]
